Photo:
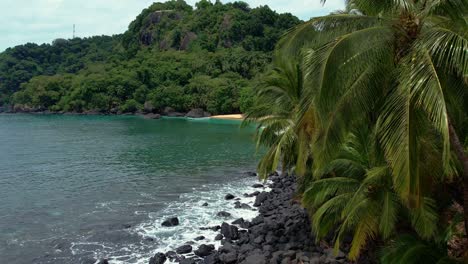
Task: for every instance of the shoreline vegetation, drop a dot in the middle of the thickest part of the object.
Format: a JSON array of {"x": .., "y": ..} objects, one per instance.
[{"x": 232, "y": 117}]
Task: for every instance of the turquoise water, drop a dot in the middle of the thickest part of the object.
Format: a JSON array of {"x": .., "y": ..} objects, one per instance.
[{"x": 77, "y": 188}]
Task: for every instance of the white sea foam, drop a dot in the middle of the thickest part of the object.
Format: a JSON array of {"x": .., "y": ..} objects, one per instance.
[{"x": 192, "y": 216}]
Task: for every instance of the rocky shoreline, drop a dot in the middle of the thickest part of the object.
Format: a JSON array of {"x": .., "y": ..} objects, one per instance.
[
  {"x": 148, "y": 113},
  {"x": 280, "y": 234}
]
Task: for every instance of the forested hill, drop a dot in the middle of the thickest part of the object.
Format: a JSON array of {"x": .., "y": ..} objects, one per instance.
[{"x": 172, "y": 55}]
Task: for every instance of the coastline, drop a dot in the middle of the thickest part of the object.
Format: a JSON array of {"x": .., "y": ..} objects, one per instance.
[
  {"x": 280, "y": 233},
  {"x": 149, "y": 115}
]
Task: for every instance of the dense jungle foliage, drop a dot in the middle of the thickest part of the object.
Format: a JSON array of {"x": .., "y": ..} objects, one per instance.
[
  {"x": 173, "y": 55},
  {"x": 368, "y": 107}
]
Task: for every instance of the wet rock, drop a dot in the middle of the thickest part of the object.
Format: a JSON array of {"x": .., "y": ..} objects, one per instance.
[
  {"x": 199, "y": 238},
  {"x": 257, "y": 185},
  {"x": 229, "y": 231},
  {"x": 239, "y": 222},
  {"x": 260, "y": 199},
  {"x": 219, "y": 237},
  {"x": 229, "y": 196},
  {"x": 159, "y": 258},
  {"x": 251, "y": 174},
  {"x": 184, "y": 249},
  {"x": 213, "y": 228},
  {"x": 204, "y": 250},
  {"x": 243, "y": 206},
  {"x": 252, "y": 194},
  {"x": 171, "y": 255},
  {"x": 173, "y": 221},
  {"x": 103, "y": 261},
  {"x": 205, "y": 204},
  {"x": 223, "y": 214}
]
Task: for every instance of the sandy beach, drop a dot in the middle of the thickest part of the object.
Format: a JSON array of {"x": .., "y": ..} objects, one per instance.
[{"x": 229, "y": 117}]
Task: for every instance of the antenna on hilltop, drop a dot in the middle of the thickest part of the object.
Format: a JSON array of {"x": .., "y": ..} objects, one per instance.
[{"x": 73, "y": 30}]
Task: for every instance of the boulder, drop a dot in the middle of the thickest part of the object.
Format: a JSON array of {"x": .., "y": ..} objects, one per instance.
[
  {"x": 229, "y": 231},
  {"x": 204, "y": 250},
  {"x": 167, "y": 110},
  {"x": 239, "y": 222},
  {"x": 173, "y": 221},
  {"x": 223, "y": 214},
  {"x": 197, "y": 113},
  {"x": 152, "y": 116},
  {"x": 251, "y": 174},
  {"x": 199, "y": 238},
  {"x": 103, "y": 261},
  {"x": 205, "y": 204},
  {"x": 218, "y": 237},
  {"x": 171, "y": 255},
  {"x": 260, "y": 199},
  {"x": 257, "y": 185},
  {"x": 159, "y": 258},
  {"x": 242, "y": 206},
  {"x": 229, "y": 196},
  {"x": 184, "y": 249},
  {"x": 213, "y": 228}
]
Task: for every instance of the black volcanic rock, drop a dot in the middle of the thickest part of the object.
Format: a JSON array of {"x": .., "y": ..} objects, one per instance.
[
  {"x": 223, "y": 214},
  {"x": 204, "y": 250},
  {"x": 159, "y": 258},
  {"x": 229, "y": 196},
  {"x": 229, "y": 231},
  {"x": 173, "y": 221},
  {"x": 184, "y": 249}
]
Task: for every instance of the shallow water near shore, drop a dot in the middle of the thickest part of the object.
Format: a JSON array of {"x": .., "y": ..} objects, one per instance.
[{"x": 78, "y": 188}]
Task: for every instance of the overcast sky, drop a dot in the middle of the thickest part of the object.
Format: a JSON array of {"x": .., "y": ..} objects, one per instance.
[{"x": 42, "y": 21}]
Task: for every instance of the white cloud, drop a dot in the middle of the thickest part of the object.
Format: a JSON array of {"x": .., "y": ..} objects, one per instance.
[{"x": 42, "y": 21}]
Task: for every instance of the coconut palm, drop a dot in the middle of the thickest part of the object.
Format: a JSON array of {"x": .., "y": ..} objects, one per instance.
[
  {"x": 355, "y": 194},
  {"x": 403, "y": 64},
  {"x": 276, "y": 113}
]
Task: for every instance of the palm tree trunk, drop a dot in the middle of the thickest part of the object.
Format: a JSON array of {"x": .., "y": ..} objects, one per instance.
[{"x": 463, "y": 157}]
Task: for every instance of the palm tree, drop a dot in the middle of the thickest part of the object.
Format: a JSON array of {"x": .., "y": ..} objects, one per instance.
[
  {"x": 276, "y": 113},
  {"x": 403, "y": 64},
  {"x": 355, "y": 195}
]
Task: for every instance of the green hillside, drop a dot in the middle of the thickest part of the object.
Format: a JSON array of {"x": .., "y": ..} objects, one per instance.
[{"x": 172, "y": 55}]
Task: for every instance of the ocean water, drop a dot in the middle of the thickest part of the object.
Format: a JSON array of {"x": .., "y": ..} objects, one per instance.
[{"x": 75, "y": 189}]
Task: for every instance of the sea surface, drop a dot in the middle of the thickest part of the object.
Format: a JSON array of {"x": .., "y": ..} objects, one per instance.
[{"x": 76, "y": 189}]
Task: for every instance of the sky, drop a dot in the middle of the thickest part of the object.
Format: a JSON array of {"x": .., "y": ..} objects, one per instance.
[{"x": 42, "y": 21}]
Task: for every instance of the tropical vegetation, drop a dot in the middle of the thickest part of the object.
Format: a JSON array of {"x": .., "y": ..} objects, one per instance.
[
  {"x": 373, "y": 113},
  {"x": 172, "y": 55}
]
